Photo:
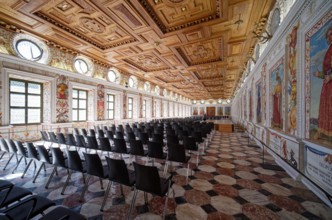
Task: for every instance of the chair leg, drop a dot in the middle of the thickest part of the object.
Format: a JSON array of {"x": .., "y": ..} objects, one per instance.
[
  {"x": 83, "y": 176},
  {"x": 2, "y": 155},
  {"x": 26, "y": 169},
  {"x": 66, "y": 183},
  {"x": 10, "y": 158},
  {"x": 85, "y": 188},
  {"x": 165, "y": 206},
  {"x": 132, "y": 204},
  {"x": 101, "y": 183},
  {"x": 109, "y": 185},
  {"x": 121, "y": 190},
  {"x": 18, "y": 163},
  {"x": 165, "y": 168},
  {"x": 50, "y": 178},
  {"x": 41, "y": 166},
  {"x": 187, "y": 174}
]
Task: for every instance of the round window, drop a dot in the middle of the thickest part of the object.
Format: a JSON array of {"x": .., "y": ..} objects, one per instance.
[
  {"x": 111, "y": 76},
  {"x": 131, "y": 82},
  {"x": 81, "y": 66},
  {"x": 29, "y": 50}
]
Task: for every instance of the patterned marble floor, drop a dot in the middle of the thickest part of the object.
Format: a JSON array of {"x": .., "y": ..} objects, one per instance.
[{"x": 229, "y": 183}]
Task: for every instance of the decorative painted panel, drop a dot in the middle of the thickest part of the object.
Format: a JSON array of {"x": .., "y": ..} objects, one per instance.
[
  {"x": 276, "y": 94},
  {"x": 264, "y": 93},
  {"x": 250, "y": 106},
  {"x": 61, "y": 60},
  {"x": 259, "y": 102},
  {"x": 124, "y": 103},
  {"x": 100, "y": 102},
  {"x": 318, "y": 62},
  {"x": 62, "y": 105},
  {"x": 47, "y": 102},
  {"x": 291, "y": 89},
  {"x": 140, "y": 106}
]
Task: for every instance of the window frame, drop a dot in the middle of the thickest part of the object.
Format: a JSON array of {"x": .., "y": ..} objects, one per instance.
[
  {"x": 26, "y": 108},
  {"x": 78, "y": 105},
  {"x": 110, "y": 109},
  {"x": 33, "y": 43},
  {"x": 130, "y": 105}
]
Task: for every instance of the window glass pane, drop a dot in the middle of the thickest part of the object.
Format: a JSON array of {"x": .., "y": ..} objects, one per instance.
[
  {"x": 111, "y": 76},
  {"x": 82, "y": 115},
  {"x": 130, "y": 114},
  {"x": 131, "y": 82},
  {"x": 110, "y": 98},
  {"x": 34, "y": 88},
  {"x": 75, "y": 92},
  {"x": 33, "y": 115},
  {"x": 110, "y": 106},
  {"x": 29, "y": 50},
  {"x": 130, "y": 101},
  {"x": 75, "y": 103},
  {"x": 34, "y": 101},
  {"x": 81, "y": 66},
  {"x": 17, "y": 116},
  {"x": 111, "y": 114},
  {"x": 130, "y": 107},
  {"x": 82, "y": 94},
  {"x": 17, "y": 100},
  {"x": 74, "y": 115},
  {"x": 17, "y": 86},
  {"x": 82, "y": 104}
]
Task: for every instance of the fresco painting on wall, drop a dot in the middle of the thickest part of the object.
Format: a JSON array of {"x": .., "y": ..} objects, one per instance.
[
  {"x": 319, "y": 81},
  {"x": 250, "y": 105},
  {"x": 276, "y": 85},
  {"x": 264, "y": 93},
  {"x": 195, "y": 111},
  {"x": 219, "y": 111},
  {"x": 100, "y": 102},
  {"x": 201, "y": 111},
  {"x": 259, "y": 102},
  {"x": 292, "y": 80},
  {"x": 227, "y": 110},
  {"x": 124, "y": 103},
  {"x": 62, "y": 106}
]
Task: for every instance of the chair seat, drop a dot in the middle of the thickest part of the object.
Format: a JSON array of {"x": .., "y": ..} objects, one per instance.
[
  {"x": 62, "y": 213},
  {"x": 5, "y": 183},
  {"x": 15, "y": 194}
]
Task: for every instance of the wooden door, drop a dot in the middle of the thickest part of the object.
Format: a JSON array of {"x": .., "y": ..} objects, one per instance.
[{"x": 210, "y": 111}]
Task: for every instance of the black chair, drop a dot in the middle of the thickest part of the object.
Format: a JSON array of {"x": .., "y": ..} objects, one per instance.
[
  {"x": 53, "y": 138},
  {"x": 32, "y": 155},
  {"x": 74, "y": 164},
  {"x": 84, "y": 132},
  {"x": 80, "y": 142},
  {"x": 10, "y": 193},
  {"x": 13, "y": 150},
  {"x": 172, "y": 139},
  {"x": 119, "y": 135},
  {"x": 189, "y": 143},
  {"x": 28, "y": 208},
  {"x": 75, "y": 131},
  {"x": 58, "y": 160},
  {"x": 61, "y": 139},
  {"x": 70, "y": 140},
  {"x": 155, "y": 151},
  {"x": 100, "y": 133},
  {"x": 118, "y": 173},
  {"x": 92, "y": 143},
  {"x": 62, "y": 213},
  {"x": 45, "y": 137},
  {"x": 22, "y": 152},
  {"x": 144, "y": 137},
  {"x": 92, "y": 132},
  {"x": 94, "y": 167},
  {"x": 158, "y": 138},
  {"x": 120, "y": 146},
  {"x": 44, "y": 158},
  {"x": 177, "y": 153},
  {"x": 130, "y": 136},
  {"x": 105, "y": 145},
  {"x": 149, "y": 181},
  {"x": 5, "y": 149},
  {"x": 136, "y": 148}
]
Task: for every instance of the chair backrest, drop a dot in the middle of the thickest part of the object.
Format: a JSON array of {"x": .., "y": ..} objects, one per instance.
[
  {"x": 12, "y": 146},
  {"x": 117, "y": 171},
  {"x": 105, "y": 144},
  {"x": 57, "y": 157},
  {"x": 76, "y": 132},
  {"x": 198, "y": 136},
  {"x": 94, "y": 166},
  {"x": 61, "y": 138},
  {"x": 101, "y": 133},
  {"x": 92, "y": 132},
  {"x": 110, "y": 134},
  {"x": 189, "y": 143},
  {"x": 120, "y": 146},
  {"x": 43, "y": 154},
  {"x": 147, "y": 179},
  {"x": 136, "y": 147},
  {"x": 74, "y": 160},
  {"x": 130, "y": 136},
  {"x": 70, "y": 140},
  {"x": 92, "y": 142},
  {"x": 20, "y": 148},
  {"x": 80, "y": 141},
  {"x": 52, "y": 137},
  {"x": 176, "y": 153},
  {"x": 155, "y": 150},
  {"x": 157, "y": 138},
  {"x": 32, "y": 152},
  {"x": 4, "y": 145},
  {"x": 144, "y": 137},
  {"x": 84, "y": 132},
  {"x": 119, "y": 134},
  {"x": 172, "y": 139},
  {"x": 44, "y": 136}
]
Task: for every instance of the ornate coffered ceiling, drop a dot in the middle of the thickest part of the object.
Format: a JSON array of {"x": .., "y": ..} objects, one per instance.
[{"x": 193, "y": 47}]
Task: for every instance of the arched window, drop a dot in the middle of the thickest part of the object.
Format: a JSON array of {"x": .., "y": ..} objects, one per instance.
[
  {"x": 275, "y": 21},
  {"x": 83, "y": 65},
  {"x": 219, "y": 101},
  {"x": 30, "y": 48}
]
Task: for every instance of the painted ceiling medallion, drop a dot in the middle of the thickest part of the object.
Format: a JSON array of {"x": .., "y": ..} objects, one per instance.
[
  {"x": 175, "y": 1},
  {"x": 92, "y": 25},
  {"x": 64, "y": 6}
]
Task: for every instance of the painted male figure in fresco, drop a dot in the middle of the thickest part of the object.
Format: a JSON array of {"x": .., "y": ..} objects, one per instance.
[
  {"x": 325, "y": 104},
  {"x": 277, "y": 97}
]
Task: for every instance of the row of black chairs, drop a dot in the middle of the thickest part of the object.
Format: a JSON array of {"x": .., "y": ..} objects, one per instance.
[{"x": 17, "y": 203}]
